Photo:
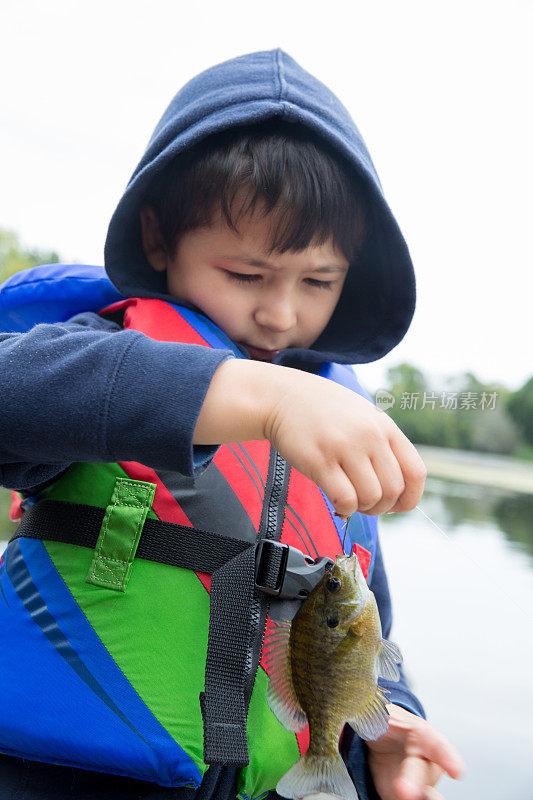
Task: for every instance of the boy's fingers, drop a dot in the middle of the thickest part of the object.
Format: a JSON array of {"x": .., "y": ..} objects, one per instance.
[
  {"x": 362, "y": 477},
  {"x": 390, "y": 477},
  {"x": 340, "y": 491},
  {"x": 378, "y": 481},
  {"x": 412, "y": 779},
  {"x": 432, "y": 794},
  {"x": 436, "y": 748},
  {"x": 413, "y": 470}
]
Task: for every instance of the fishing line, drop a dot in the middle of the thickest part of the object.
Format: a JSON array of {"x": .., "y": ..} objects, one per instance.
[
  {"x": 466, "y": 555},
  {"x": 346, "y": 521},
  {"x": 345, "y": 532}
]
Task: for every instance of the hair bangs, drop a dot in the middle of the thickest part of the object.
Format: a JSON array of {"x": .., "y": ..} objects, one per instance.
[{"x": 274, "y": 169}]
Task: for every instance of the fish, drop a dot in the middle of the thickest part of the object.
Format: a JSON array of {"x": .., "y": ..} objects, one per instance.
[{"x": 323, "y": 667}]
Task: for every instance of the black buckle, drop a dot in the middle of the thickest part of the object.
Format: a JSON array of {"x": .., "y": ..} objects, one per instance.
[{"x": 284, "y": 571}]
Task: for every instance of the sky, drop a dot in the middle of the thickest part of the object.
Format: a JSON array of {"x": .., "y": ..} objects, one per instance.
[{"x": 441, "y": 93}]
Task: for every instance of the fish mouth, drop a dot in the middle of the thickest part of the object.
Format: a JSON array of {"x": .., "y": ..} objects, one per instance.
[{"x": 349, "y": 561}]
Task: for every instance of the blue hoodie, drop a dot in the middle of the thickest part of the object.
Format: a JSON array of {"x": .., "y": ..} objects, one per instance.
[{"x": 85, "y": 390}]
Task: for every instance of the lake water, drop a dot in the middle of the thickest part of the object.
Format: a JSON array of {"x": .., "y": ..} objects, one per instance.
[{"x": 463, "y": 617}]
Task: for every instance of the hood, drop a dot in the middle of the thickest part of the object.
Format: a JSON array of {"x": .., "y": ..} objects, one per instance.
[{"x": 378, "y": 299}]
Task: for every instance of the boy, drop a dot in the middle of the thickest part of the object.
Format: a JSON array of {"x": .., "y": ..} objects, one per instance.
[{"x": 255, "y": 252}]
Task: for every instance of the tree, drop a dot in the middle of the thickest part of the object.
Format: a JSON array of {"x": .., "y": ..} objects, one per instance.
[
  {"x": 424, "y": 415},
  {"x": 14, "y": 256},
  {"x": 520, "y": 409},
  {"x": 406, "y": 378}
]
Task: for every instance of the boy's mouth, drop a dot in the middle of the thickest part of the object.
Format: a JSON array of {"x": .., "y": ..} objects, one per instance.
[{"x": 259, "y": 354}]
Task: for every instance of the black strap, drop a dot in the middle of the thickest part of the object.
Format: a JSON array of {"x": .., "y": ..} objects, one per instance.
[
  {"x": 218, "y": 783},
  {"x": 231, "y": 630},
  {"x": 165, "y": 542},
  {"x": 237, "y": 623}
]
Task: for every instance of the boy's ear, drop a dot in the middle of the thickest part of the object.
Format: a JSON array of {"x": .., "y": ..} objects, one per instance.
[{"x": 153, "y": 245}]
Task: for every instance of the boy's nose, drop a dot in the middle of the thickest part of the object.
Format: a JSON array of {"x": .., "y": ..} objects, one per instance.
[{"x": 278, "y": 316}]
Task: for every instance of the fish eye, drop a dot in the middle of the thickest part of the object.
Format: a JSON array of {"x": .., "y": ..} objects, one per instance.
[
  {"x": 332, "y": 622},
  {"x": 333, "y": 585}
]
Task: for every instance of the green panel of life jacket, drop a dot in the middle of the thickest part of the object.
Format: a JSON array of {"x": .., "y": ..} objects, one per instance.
[{"x": 164, "y": 659}]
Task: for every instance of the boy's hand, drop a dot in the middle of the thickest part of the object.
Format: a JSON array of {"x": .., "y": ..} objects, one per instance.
[
  {"x": 408, "y": 760},
  {"x": 355, "y": 453},
  {"x": 338, "y": 439}
]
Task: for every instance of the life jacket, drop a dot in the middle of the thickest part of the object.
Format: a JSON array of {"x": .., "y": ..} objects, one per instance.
[{"x": 113, "y": 658}]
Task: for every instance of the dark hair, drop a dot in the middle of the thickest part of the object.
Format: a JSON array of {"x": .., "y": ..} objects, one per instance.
[{"x": 313, "y": 193}]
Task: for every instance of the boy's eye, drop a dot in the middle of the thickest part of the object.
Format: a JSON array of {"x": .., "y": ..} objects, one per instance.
[
  {"x": 319, "y": 284},
  {"x": 243, "y": 278}
]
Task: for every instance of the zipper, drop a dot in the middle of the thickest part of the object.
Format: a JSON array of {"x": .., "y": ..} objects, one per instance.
[
  {"x": 270, "y": 527},
  {"x": 272, "y": 520}
]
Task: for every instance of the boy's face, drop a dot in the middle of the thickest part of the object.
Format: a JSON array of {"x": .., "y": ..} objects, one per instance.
[{"x": 265, "y": 308}]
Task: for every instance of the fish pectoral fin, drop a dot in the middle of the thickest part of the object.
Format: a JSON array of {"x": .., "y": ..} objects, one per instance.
[
  {"x": 355, "y": 631},
  {"x": 348, "y": 642},
  {"x": 281, "y": 697},
  {"x": 388, "y": 656},
  {"x": 372, "y": 718}
]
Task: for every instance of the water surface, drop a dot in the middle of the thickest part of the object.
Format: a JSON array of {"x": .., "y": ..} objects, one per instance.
[{"x": 463, "y": 617}]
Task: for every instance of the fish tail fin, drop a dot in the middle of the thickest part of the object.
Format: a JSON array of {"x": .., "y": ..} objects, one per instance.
[{"x": 316, "y": 773}]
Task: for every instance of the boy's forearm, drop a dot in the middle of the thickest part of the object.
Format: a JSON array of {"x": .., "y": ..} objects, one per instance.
[{"x": 237, "y": 402}]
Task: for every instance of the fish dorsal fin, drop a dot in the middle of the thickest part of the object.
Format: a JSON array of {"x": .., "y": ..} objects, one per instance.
[
  {"x": 281, "y": 697},
  {"x": 388, "y": 656},
  {"x": 372, "y": 719}
]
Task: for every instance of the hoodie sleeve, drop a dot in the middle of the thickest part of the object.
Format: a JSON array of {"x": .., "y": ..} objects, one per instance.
[
  {"x": 400, "y": 693},
  {"x": 86, "y": 390}
]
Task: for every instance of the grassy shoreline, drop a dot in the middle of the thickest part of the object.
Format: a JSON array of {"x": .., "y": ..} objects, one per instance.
[{"x": 483, "y": 469}]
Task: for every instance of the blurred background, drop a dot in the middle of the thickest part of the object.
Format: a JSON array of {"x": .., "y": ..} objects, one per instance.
[{"x": 441, "y": 95}]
